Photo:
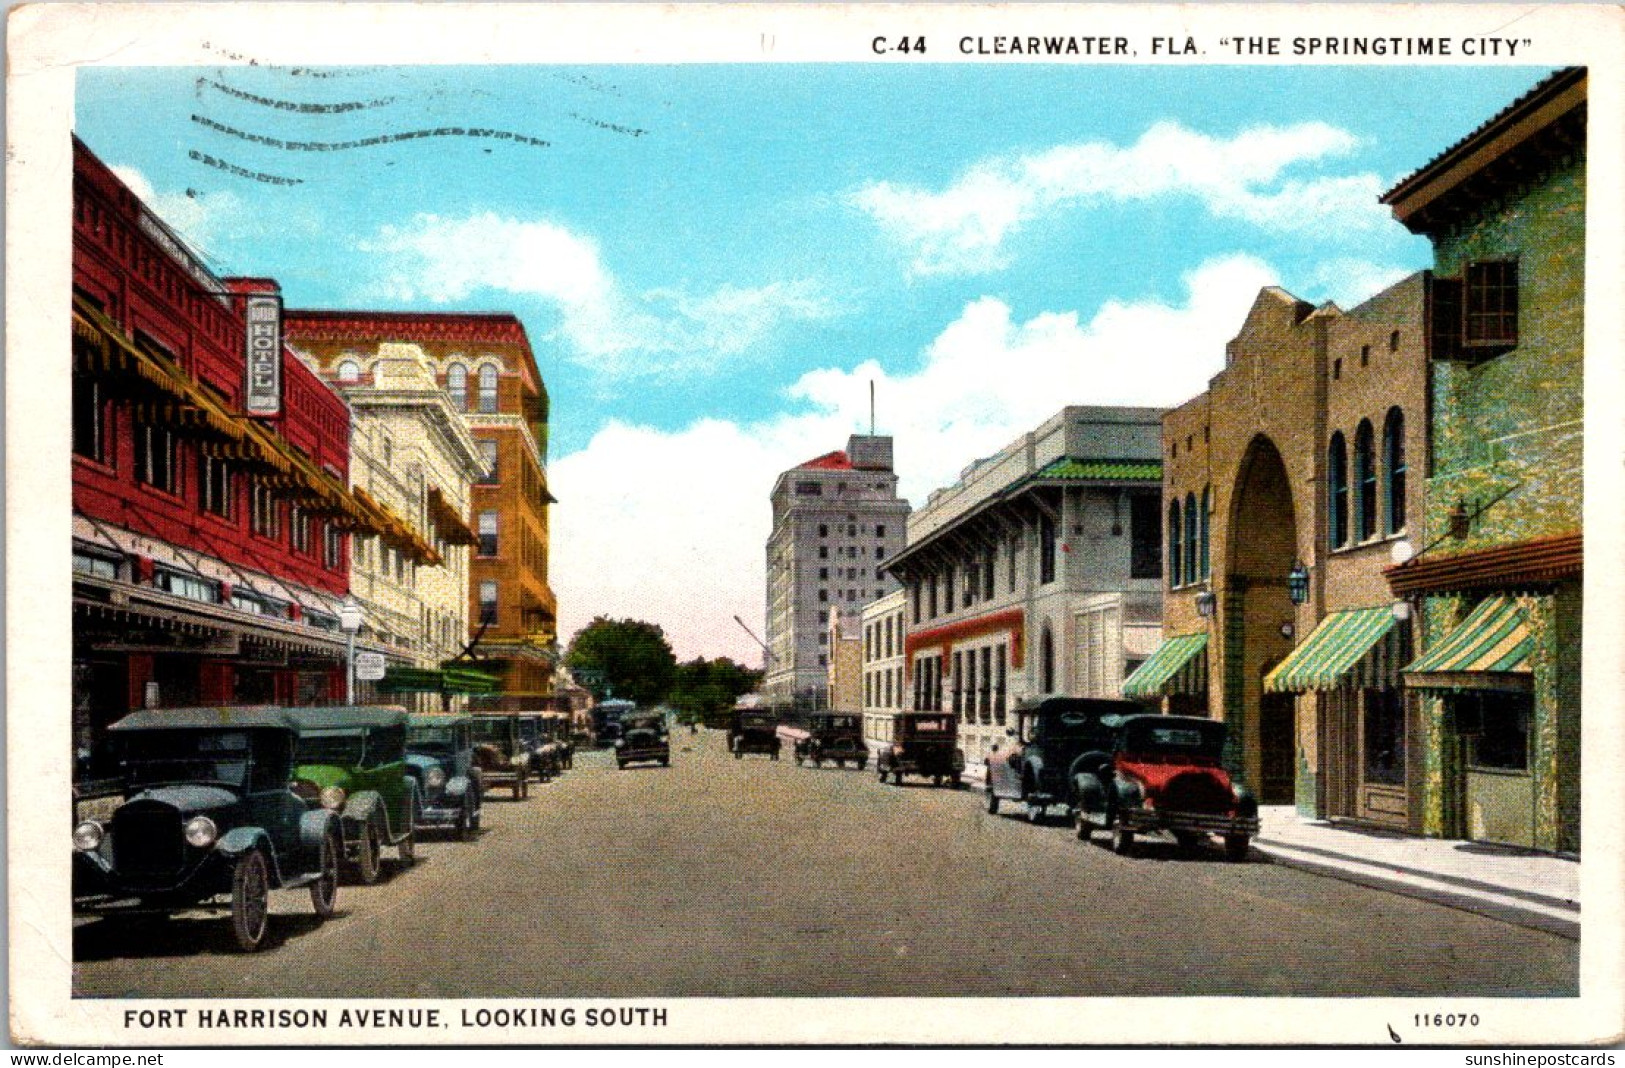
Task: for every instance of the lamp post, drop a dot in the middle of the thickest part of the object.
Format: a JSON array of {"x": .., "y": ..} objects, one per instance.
[{"x": 349, "y": 622}]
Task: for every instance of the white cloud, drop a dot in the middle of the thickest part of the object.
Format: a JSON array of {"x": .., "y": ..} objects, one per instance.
[
  {"x": 613, "y": 331},
  {"x": 205, "y": 221},
  {"x": 671, "y": 526},
  {"x": 1350, "y": 281},
  {"x": 962, "y": 229}
]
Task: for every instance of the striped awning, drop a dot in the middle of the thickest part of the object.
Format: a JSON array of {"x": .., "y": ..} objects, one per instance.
[
  {"x": 1490, "y": 649},
  {"x": 1171, "y": 656},
  {"x": 1337, "y": 643}
]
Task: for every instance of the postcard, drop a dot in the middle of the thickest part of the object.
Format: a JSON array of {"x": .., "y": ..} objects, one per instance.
[{"x": 936, "y": 525}]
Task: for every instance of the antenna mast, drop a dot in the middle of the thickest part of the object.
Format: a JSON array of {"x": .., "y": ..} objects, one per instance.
[{"x": 871, "y": 407}]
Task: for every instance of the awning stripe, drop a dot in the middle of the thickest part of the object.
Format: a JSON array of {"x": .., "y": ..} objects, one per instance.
[
  {"x": 1494, "y": 637},
  {"x": 1173, "y": 654},
  {"x": 1332, "y": 649}
]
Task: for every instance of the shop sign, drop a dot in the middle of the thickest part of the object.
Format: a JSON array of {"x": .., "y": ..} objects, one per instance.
[{"x": 262, "y": 392}]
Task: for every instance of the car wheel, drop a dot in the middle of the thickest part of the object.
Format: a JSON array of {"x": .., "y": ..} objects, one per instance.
[
  {"x": 992, "y": 801},
  {"x": 250, "y": 901},
  {"x": 367, "y": 858},
  {"x": 465, "y": 823},
  {"x": 1188, "y": 841},
  {"x": 1235, "y": 846},
  {"x": 897, "y": 776},
  {"x": 324, "y": 892},
  {"x": 1085, "y": 829},
  {"x": 518, "y": 787},
  {"x": 1122, "y": 840},
  {"x": 800, "y": 758},
  {"x": 407, "y": 848}
]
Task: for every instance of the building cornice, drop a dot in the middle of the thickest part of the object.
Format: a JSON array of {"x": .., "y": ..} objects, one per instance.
[{"x": 1539, "y": 561}]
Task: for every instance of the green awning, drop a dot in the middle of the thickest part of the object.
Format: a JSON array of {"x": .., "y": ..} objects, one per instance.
[
  {"x": 467, "y": 680},
  {"x": 1101, "y": 470},
  {"x": 1493, "y": 641},
  {"x": 1172, "y": 655},
  {"x": 1333, "y": 648},
  {"x": 410, "y": 680}
]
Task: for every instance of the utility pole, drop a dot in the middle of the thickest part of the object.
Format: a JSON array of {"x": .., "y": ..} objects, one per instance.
[{"x": 767, "y": 654}]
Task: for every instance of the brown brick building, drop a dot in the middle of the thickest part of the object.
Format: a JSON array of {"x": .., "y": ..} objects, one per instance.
[{"x": 485, "y": 364}]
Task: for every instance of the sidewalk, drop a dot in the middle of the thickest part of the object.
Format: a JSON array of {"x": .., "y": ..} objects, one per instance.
[
  {"x": 1513, "y": 885},
  {"x": 1530, "y": 889}
]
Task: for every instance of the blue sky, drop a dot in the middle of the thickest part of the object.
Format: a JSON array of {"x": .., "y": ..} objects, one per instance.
[{"x": 714, "y": 261}]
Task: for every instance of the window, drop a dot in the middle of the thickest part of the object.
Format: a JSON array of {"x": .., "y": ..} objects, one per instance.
[
  {"x": 332, "y": 548},
  {"x": 1204, "y": 560},
  {"x": 914, "y": 596},
  {"x": 823, "y": 552},
  {"x": 155, "y": 457},
  {"x": 214, "y": 486},
  {"x": 488, "y": 389},
  {"x": 457, "y": 386},
  {"x": 1365, "y": 479},
  {"x": 349, "y": 372},
  {"x": 1012, "y": 554},
  {"x": 191, "y": 587},
  {"x": 264, "y": 517},
  {"x": 948, "y": 589},
  {"x": 1191, "y": 554},
  {"x": 880, "y": 552},
  {"x": 89, "y": 419},
  {"x": 1393, "y": 462},
  {"x": 970, "y": 686},
  {"x": 1145, "y": 535},
  {"x": 972, "y": 575},
  {"x": 1393, "y": 341},
  {"x": 809, "y": 489},
  {"x": 1046, "y": 549},
  {"x": 959, "y": 679},
  {"x": 985, "y": 700},
  {"x": 1497, "y": 726},
  {"x": 880, "y": 530},
  {"x": 823, "y": 596},
  {"x": 851, "y": 530},
  {"x": 823, "y": 530},
  {"x": 488, "y": 459},
  {"x": 1000, "y": 659},
  {"x": 888, "y": 635},
  {"x": 299, "y": 527},
  {"x": 488, "y": 601},
  {"x": 987, "y": 575},
  {"x": 488, "y": 533},
  {"x": 1384, "y": 736},
  {"x": 1337, "y": 368},
  {"x": 1337, "y": 492},
  {"x": 1365, "y": 355},
  {"x": 1490, "y": 296},
  {"x": 1176, "y": 577},
  {"x": 92, "y": 564},
  {"x": 931, "y": 598},
  {"x": 823, "y": 573},
  {"x": 1046, "y": 661}
]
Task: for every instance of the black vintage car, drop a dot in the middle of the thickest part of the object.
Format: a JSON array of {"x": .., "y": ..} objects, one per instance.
[
  {"x": 440, "y": 755},
  {"x": 500, "y": 754},
  {"x": 556, "y": 727},
  {"x": 1052, "y": 739},
  {"x": 754, "y": 730},
  {"x": 833, "y": 736},
  {"x": 544, "y": 762},
  {"x": 920, "y": 743},
  {"x": 209, "y": 819},
  {"x": 1165, "y": 774},
  {"x": 643, "y": 740}
]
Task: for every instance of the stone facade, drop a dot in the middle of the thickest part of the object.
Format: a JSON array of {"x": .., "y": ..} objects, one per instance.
[
  {"x": 845, "y": 659},
  {"x": 883, "y": 662}
]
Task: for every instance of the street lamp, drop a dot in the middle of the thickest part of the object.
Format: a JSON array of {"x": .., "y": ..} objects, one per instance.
[
  {"x": 1206, "y": 602},
  {"x": 1297, "y": 583},
  {"x": 349, "y": 622}
]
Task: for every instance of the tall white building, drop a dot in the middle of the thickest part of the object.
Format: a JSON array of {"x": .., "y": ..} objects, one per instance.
[{"x": 837, "y": 520}]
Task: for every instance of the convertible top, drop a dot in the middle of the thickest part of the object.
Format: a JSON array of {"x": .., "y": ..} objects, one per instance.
[
  {"x": 436, "y": 719},
  {"x": 274, "y": 717}
]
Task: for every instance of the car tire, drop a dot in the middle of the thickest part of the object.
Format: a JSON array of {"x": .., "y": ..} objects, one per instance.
[
  {"x": 992, "y": 801},
  {"x": 1235, "y": 847},
  {"x": 1122, "y": 840},
  {"x": 518, "y": 787},
  {"x": 407, "y": 848},
  {"x": 324, "y": 891},
  {"x": 1188, "y": 841},
  {"x": 800, "y": 758},
  {"x": 250, "y": 901},
  {"x": 367, "y": 863},
  {"x": 465, "y": 822},
  {"x": 897, "y": 776},
  {"x": 1085, "y": 829}
]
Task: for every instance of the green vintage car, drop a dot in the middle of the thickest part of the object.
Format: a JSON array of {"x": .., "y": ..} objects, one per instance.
[
  {"x": 353, "y": 761},
  {"x": 208, "y": 820}
]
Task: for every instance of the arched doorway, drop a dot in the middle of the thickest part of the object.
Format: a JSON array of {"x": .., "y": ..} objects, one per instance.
[{"x": 1258, "y": 616}]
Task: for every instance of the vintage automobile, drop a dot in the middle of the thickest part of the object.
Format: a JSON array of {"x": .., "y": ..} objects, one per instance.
[
  {"x": 921, "y": 743},
  {"x": 353, "y": 760},
  {"x": 557, "y": 726},
  {"x": 440, "y": 755},
  {"x": 833, "y": 736},
  {"x": 643, "y": 740},
  {"x": 500, "y": 754},
  {"x": 753, "y": 730},
  {"x": 1165, "y": 774},
  {"x": 208, "y": 820},
  {"x": 544, "y": 758},
  {"x": 1052, "y": 739}
]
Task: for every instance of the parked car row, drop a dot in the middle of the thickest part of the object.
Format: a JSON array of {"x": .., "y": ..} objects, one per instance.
[{"x": 223, "y": 805}]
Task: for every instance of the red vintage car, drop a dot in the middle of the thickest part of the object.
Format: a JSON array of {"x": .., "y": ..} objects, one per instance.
[{"x": 1165, "y": 774}]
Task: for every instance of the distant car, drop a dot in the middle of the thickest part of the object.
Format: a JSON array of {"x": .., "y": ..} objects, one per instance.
[
  {"x": 921, "y": 743},
  {"x": 754, "y": 730},
  {"x": 1165, "y": 775},
  {"x": 208, "y": 814},
  {"x": 1051, "y": 739},
  {"x": 353, "y": 759},
  {"x": 643, "y": 740},
  {"x": 544, "y": 758},
  {"x": 557, "y": 730},
  {"x": 833, "y": 736},
  {"x": 500, "y": 753},
  {"x": 440, "y": 755}
]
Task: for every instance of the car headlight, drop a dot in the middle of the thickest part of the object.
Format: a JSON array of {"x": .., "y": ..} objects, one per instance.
[
  {"x": 517, "y": 760},
  {"x": 896, "y": 750},
  {"x": 87, "y": 837},
  {"x": 619, "y": 742},
  {"x": 201, "y": 832},
  {"x": 436, "y": 778},
  {"x": 333, "y": 797}
]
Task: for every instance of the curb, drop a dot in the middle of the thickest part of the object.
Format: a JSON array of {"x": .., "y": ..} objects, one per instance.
[{"x": 1559, "y": 918}]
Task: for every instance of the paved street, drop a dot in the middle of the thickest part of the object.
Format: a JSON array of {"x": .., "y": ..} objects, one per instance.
[{"x": 749, "y": 878}]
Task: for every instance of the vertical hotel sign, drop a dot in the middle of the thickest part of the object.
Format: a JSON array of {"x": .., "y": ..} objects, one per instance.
[{"x": 262, "y": 387}]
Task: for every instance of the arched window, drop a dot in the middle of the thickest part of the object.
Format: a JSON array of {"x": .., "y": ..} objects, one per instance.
[
  {"x": 457, "y": 386},
  {"x": 1365, "y": 481},
  {"x": 1175, "y": 577},
  {"x": 488, "y": 389},
  {"x": 1393, "y": 461},
  {"x": 1337, "y": 492},
  {"x": 1207, "y": 506},
  {"x": 1191, "y": 574},
  {"x": 1046, "y": 661},
  {"x": 349, "y": 371}
]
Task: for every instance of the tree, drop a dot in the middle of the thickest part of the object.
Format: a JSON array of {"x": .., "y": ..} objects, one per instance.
[
  {"x": 625, "y": 658},
  {"x": 705, "y": 687}
]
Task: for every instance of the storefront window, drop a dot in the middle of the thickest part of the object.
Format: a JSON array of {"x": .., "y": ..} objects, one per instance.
[
  {"x": 1501, "y": 739},
  {"x": 1385, "y": 737}
]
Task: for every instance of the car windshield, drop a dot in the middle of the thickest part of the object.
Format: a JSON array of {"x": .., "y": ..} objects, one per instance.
[
  {"x": 187, "y": 756},
  {"x": 842, "y": 723},
  {"x": 497, "y": 731},
  {"x": 341, "y": 749},
  {"x": 431, "y": 739},
  {"x": 644, "y": 723},
  {"x": 1069, "y": 724},
  {"x": 1189, "y": 739},
  {"x": 756, "y": 720}
]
